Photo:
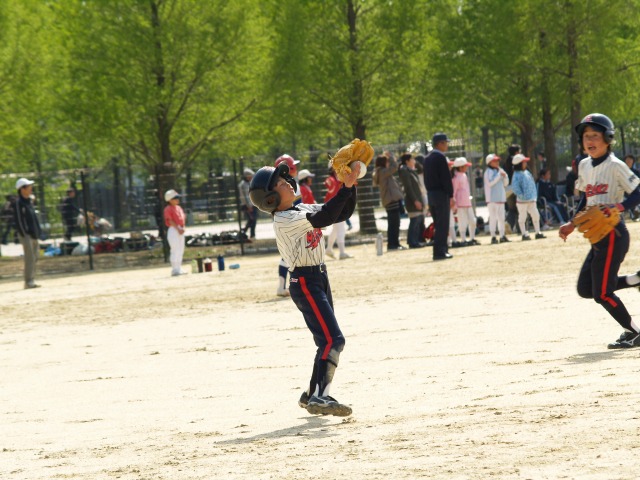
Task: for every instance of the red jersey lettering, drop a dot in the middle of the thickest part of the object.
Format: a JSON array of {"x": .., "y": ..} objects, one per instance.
[
  {"x": 597, "y": 189},
  {"x": 313, "y": 238}
]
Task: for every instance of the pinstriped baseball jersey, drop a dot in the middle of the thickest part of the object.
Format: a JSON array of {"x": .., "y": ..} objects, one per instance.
[
  {"x": 299, "y": 243},
  {"x": 607, "y": 182}
]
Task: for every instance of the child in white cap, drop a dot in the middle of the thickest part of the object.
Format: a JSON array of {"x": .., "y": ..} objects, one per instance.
[{"x": 174, "y": 219}]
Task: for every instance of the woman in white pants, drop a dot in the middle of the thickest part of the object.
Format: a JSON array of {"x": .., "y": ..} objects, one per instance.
[
  {"x": 174, "y": 219},
  {"x": 337, "y": 235},
  {"x": 495, "y": 184}
]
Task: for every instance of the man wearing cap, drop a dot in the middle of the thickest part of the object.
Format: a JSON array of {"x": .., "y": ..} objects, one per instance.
[
  {"x": 174, "y": 219},
  {"x": 437, "y": 180},
  {"x": 27, "y": 225},
  {"x": 245, "y": 203}
]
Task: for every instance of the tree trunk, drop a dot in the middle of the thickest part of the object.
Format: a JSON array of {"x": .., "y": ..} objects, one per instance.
[
  {"x": 574, "y": 84},
  {"x": 163, "y": 133},
  {"x": 365, "y": 184}
]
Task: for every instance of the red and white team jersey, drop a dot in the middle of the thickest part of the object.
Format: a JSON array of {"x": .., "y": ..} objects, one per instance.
[
  {"x": 606, "y": 183},
  {"x": 299, "y": 243}
]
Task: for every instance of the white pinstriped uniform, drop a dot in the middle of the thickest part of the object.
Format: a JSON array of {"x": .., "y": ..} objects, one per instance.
[
  {"x": 299, "y": 243},
  {"x": 606, "y": 183}
]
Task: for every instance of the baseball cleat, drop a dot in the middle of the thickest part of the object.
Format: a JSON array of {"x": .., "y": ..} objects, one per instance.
[
  {"x": 626, "y": 340},
  {"x": 283, "y": 292},
  {"x": 327, "y": 406},
  {"x": 540, "y": 235},
  {"x": 504, "y": 239},
  {"x": 494, "y": 241},
  {"x": 304, "y": 400}
]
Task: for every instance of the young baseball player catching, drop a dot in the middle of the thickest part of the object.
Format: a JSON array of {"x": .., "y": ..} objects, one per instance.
[
  {"x": 299, "y": 239},
  {"x": 602, "y": 180}
]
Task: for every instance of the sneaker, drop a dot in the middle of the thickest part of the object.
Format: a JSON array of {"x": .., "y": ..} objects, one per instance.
[
  {"x": 525, "y": 238},
  {"x": 304, "y": 400},
  {"x": 504, "y": 239},
  {"x": 327, "y": 406},
  {"x": 540, "y": 235},
  {"x": 329, "y": 253},
  {"x": 626, "y": 340},
  {"x": 344, "y": 256},
  {"x": 494, "y": 241},
  {"x": 283, "y": 292},
  {"x": 31, "y": 285}
]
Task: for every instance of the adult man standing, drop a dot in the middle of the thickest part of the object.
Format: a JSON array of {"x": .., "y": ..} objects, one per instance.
[
  {"x": 437, "y": 180},
  {"x": 28, "y": 227}
]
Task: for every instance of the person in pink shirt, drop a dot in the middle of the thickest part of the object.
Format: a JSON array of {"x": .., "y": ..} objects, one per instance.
[
  {"x": 305, "y": 179},
  {"x": 462, "y": 197},
  {"x": 174, "y": 220}
]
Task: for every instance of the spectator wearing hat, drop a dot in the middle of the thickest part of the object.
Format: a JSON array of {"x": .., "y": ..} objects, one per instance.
[
  {"x": 305, "y": 179},
  {"x": 524, "y": 187},
  {"x": 70, "y": 212},
  {"x": 412, "y": 199},
  {"x": 495, "y": 184},
  {"x": 250, "y": 213},
  {"x": 437, "y": 180},
  {"x": 174, "y": 218},
  {"x": 462, "y": 198},
  {"x": 27, "y": 225}
]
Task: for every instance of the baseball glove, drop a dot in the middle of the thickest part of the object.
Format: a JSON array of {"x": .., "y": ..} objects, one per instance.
[
  {"x": 597, "y": 221},
  {"x": 356, "y": 151}
]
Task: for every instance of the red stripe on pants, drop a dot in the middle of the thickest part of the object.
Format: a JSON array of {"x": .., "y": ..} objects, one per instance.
[
  {"x": 316, "y": 311},
  {"x": 607, "y": 267}
]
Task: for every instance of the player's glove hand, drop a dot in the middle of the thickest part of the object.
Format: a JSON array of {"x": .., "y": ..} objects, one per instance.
[
  {"x": 356, "y": 151},
  {"x": 597, "y": 221}
]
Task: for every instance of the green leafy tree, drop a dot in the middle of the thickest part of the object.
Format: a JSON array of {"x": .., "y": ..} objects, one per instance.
[
  {"x": 343, "y": 68},
  {"x": 163, "y": 79}
]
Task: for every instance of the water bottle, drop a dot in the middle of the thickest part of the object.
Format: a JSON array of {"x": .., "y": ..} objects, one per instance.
[
  {"x": 379, "y": 244},
  {"x": 220, "y": 263}
]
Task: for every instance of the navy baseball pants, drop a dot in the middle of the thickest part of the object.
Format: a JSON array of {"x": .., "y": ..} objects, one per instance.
[
  {"x": 599, "y": 278},
  {"x": 311, "y": 292}
]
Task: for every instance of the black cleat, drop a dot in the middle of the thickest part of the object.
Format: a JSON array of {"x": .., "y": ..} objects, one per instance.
[
  {"x": 494, "y": 241},
  {"x": 327, "y": 406},
  {"x": 540, "y": 235},
  {"x": 626, "y": 340},
  {"x": 504, "y": 239}
]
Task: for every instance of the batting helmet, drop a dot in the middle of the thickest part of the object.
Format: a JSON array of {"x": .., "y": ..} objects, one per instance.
[
  {"x": 289, "y": 160},
  {"x": 261, "y": 187},
  {"x": 600, "y": 122}
]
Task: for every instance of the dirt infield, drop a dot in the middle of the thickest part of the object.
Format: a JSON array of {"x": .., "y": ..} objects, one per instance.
[{"x": 485, "y": 366}]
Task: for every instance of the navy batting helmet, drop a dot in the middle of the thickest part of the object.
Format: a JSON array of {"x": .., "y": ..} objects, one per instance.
[
  {"x": 600, "y": 122},
  {"x": 261, "y": 187}
]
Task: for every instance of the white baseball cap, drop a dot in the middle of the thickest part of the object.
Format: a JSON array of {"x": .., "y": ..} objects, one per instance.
[
  {"x": 461, "y": 162},
  {"x": 23, "y": 182},
  {"x": 491, "y": 157},
  {"x": 519, "y": 158},
  {"x": 304, "y": 174},
  {"x": 170, "y": 195}
]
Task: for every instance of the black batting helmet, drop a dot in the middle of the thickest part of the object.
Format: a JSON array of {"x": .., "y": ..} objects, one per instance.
[
  {"x": 600, "y": 122},
  {"x": 261, "y": 187}
]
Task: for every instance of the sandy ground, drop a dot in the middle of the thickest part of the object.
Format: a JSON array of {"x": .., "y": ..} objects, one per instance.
[{"x": 484, "y": 366}]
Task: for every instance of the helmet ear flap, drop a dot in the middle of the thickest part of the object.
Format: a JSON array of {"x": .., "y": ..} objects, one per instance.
[{"x": 270, "y": 202}]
